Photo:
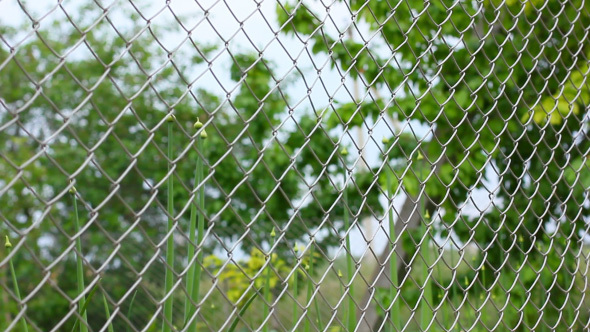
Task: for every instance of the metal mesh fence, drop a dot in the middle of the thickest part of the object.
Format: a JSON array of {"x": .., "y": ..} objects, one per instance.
[{"x": 359, "y": 165}]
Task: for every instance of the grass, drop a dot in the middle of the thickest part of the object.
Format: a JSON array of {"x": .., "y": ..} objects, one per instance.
[
  {"x": 396, "y": 314},
  {"x": 267, "y": 293},
  {"x": 129, "y": 311},
  {"x": 79, "y": 263},
  {"x": 395, "y": 310},
  {"x": 340, "y": 281},
  {"x": 335, "y": 284},
  {"x": 84, "y": 308},
  {"x": 169, "y": 277},
  {"x": 444, "y": 312},
  {"x": 351, "y": 311},
  {"x": 295, "y": 290},
  {"x": 8, "y": 247},
  {"x": 107, "y": 313},
  {"x": 453, "y": 286},
  {"x": 308, "y": 268},
  {"x": 311, "y": 300},
  {"x": 425, "y": 309},
  {"x": 522, "y": 257},
  {"x": 315, "y": 300},
  {"x": 234, "y": 324},
  {"x": 541, "y": 295},
  {"x": 193, "y": 282},
  {"x": 83, "y": 303}
]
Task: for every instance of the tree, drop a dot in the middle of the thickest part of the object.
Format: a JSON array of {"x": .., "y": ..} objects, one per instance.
[
  {"x": 86, "y": 106},
  {"x": 500, "y": 88}
]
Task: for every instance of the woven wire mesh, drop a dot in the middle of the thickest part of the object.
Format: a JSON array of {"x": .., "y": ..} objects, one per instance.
[{"x": 361, "y": 165}]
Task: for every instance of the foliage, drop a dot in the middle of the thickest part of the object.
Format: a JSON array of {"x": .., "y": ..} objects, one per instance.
[
  {"x": 246, "y": 275},
  {"x": 517, "y": 110},
  {"x": 114, "y": 144},
  {"x": 495, "y": 98}
]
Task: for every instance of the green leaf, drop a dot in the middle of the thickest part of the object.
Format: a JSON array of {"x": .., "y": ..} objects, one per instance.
[
  {"x": 85, "y": 306},
  {"x": 242, "y": 312},
  {"x": 107, "y": 312},
  {"x": 130, "y": 308}
]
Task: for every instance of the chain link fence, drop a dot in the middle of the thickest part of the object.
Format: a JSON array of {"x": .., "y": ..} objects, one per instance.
[{"x": 283, "y": 165}]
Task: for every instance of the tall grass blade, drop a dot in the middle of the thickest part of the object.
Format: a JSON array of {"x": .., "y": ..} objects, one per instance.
[
  {"x": 454, "y": 290},
  {"x": 295, "y": 291},
  {"x": 308, "y": 268},
  {"x": 351, "y": 321},
  {"x": 169, "y": 276},
  {"x": 79, "y": 263},
  {"x": 85, "y": 306},
  {"x": 193, "y": 283},
  {"x": 234, "y": 324},
  {"x": 315, "y": 300},
  {"x": 425, "y": 310},
  {"x": 267, "y": 294},
  {"x": 107, "y": 313},
  {"x": 345, "y": 310},
  {"x": 542, "y": 297},
  {"x": 130, "y": 308},
  {"x": 8, "y": 246},
  {"x": 443, "y": 313},
  {"x": 395, "y": 311},
  {"x": 526, "y": 318}
]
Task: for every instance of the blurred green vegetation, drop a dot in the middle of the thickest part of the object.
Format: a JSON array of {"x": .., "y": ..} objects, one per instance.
[
  {"x": 95, "y": 118},
  {"x": 511, "y": 120},
  {"x": 495, "y": 97}
]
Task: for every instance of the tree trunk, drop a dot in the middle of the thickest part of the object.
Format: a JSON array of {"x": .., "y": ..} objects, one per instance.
[{"x": 408, "y": 218}]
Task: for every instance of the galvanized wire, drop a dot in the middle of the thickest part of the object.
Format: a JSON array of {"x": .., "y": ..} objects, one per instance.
[{"x": 468, "y": 190}]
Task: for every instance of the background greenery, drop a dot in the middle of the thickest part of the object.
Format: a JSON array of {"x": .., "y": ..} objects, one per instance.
[{"x": 503, "y": 102}]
